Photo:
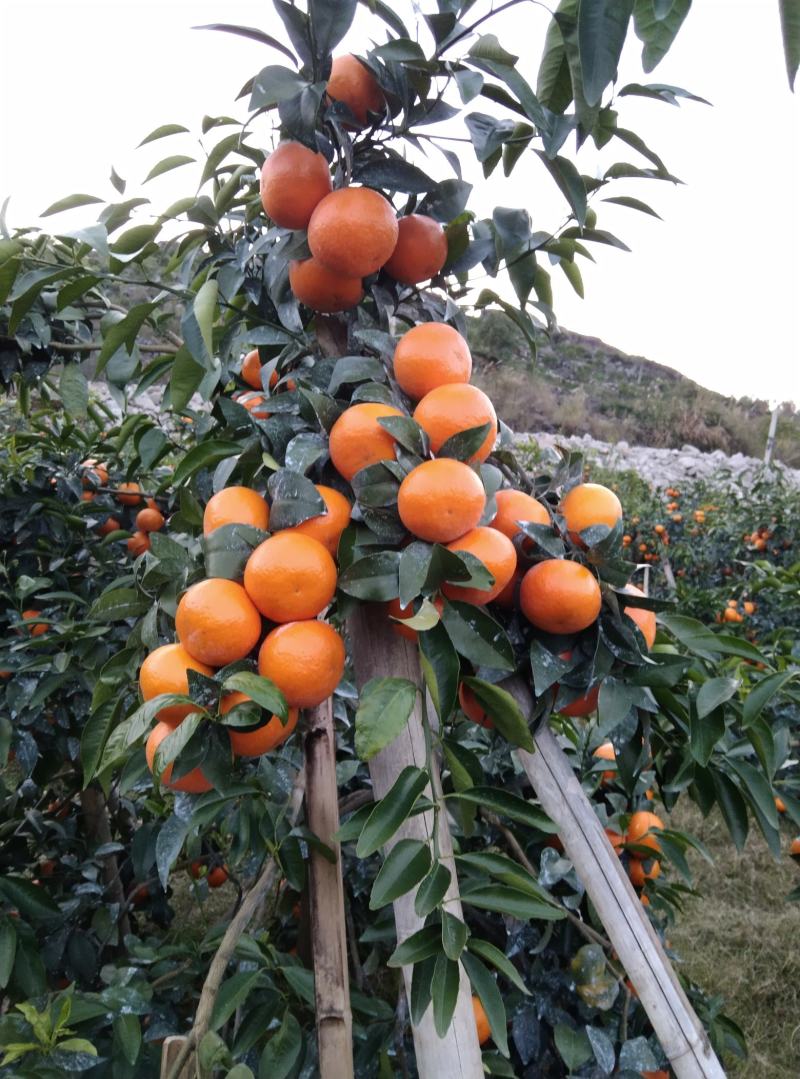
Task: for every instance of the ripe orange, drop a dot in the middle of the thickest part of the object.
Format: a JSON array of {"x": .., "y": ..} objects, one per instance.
[
  {"x": 255, "y": 405},
  {"x": 421, "y": 250},
  {"x": 441, "y": 500},
  {"x": 253, "y": 742},
  {"x": 497, "y": 553},
  {"x": 138, "y": 544},
  {"x": 111, "y": 524},
  {"x": 149, "y": 520},
  {"x": 165, "y": 670},
  {"x": 645, "y": 620},
  {"x": 322, "y": 289},
  {"x": 639, "y": 875},
  {"x": 290, "y": 578},
  {"x": 583, "y": 706},
  {"x": 447, "y": 410},
  {"x": 327, "y": 528},
  {"x": 731, "y": 615},
  {"x": 430, "y": 355},
  {"x": 353, "y": 231},
  {"x": 217, "y": 622},
  {"x": 395, "y": 610},
  {"x": 5, "y": 674},
  {"x": 606, "y": 752},
  {"x": 616, "y": 840},
  {"x": 217, "y": 876},
  {"x": 508, "y": 597},
  {"x": 514, "y": 506},
  {"x": 780, "y": 805},
  {"x": 641, "y": 823},
  {"x": 294, "y": 180},
  {"x": 251, "y": 369},
  {"x": 661, "y": 1073},
  {"x": 481, "y": 1022},
  {"x": 589, "y": 504},
  {"x": 357, "y": 440},
  {"x": 127, "y": 494},
  {"x": 236, "y": 505},
  {"x": 305, "y": 660},
  {"x": 559, "y": 596},
  {"x": 87, "y": 496},
  {"x": 749, "y": 607},
  {"x": 193, "y": 782},
  {"x": 794, "y": 849},
  {"x": 472, "y": 707},
  {"x": 352, "y": 83},
  {"x": 37, "y": 628}
]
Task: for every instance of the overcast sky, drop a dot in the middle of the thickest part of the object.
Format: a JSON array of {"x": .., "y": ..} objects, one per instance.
[{"x": 713, "y": 290}]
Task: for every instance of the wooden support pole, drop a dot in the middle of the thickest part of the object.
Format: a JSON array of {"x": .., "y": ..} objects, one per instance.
[
  {"x": 328, "y": 936},
  {"x": 171, "y": 1050},
  {"x": 625, "y": 921},
  {"x": 378, "y": 652}
]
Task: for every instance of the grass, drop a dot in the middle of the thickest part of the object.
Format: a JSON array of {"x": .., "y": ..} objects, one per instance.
[{"x": 741, "y": 939}]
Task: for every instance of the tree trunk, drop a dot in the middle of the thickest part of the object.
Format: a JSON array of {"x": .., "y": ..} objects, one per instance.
[
  {"x": 379, "y": 652},
  {"x": 98, "y": 829},
  {"x": 328, "y": 935},
  {"x": 626, "y": 923}
]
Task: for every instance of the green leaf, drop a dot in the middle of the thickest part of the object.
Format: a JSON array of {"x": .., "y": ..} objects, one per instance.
[
  {"x": 353, "y": 369},
  {"x": 254, "y": 35},
  {"x": 454, "y": 935},
  {"x": 657, "y": 25},
  {"x": 128, "y": 1033},
  {"x": 261, "y": 690},
  {"x": 232, "y": 993},
  {"x": 406, "y": 864},
  {"x": 486, "y": 988},
  {"x": 391, "y": 810},
  {"x": 569, "y": 182},
  {"x": 8, "y": 949},
  {"x": 74, "y": 391},
  {"x": 602, "y": 26},
  {"x": 94, "y": 735},
  {"x": 373, "y": 578},
  {"x": 134, "y": 239},
  {"x": 205, "y": 308},
  {"x": 477, "y": 637},
  {"x": 790, "y": 27},
  {"x": 282, "y": 1051},
  {"x": 508, "y": 805},
  {"x": 175, "y": 742},
  {"x": 444, "y": 992},
  {"x": 440, "y": 668},
  {"x": 419, "y": 946},
  {"x": 185, "y": 380},
  {"x": 432, "y": 890},
  {"x": 506, "y": 871},
  {"x": 227, "y": 549},
  {"x": 274, "y": 84},
  {"x": 408, "y": 433},
  {"x": 294, "y": 499},
  {"x": 163, "y": 131},
  {"x": 573, "y": 1046},
  {"x": 713, "y": 693},
  {"x": 117, "y": 605},
  {"x": 31, "y": 900},
  {"x": 383, "y": 710},
  {"x": 503, "y": 899},
  {"x": 205, "y": 455},
  {"x": 763, "y": 692},
  {"x": 704, "y": 734},
  {"x": 69, "y": 203},
  {"x": 463, "y": 445},
  {"x": 167, "y": 164},
  {"x": 504, "y": 711},
  {"x": 499, "y": 961},
  {"x": 393, "y": 174},
  {"x": 124, "y": 333}
]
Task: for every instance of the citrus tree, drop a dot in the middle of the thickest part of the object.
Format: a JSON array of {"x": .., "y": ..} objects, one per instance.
[{"x": 339, "y": 481}]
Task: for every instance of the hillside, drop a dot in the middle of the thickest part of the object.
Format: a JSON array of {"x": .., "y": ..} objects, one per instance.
[{"x": 582, "y": 386}]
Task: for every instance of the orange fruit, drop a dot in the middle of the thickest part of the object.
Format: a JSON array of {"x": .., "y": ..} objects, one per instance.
[
  {"x": 481, "y": 1022},
  {"x": 641, "y": 823},
  {"x": 794, "y": 849},
  {"x": 441, "y": 500},
  {"x": 166, "y": 670},
  {"x": 421, "y": 250},
  {"x": 322, "y": 289},
  {"x": 294, "y": 180},
  {"x": 217, "y": 876},
  {"x": 111, "y": 524},
  {"x": 149, "y": 520},
  {"x": 357, "y": 440},
  {"x": 253, "y": 742},
  {"x": 559, "y": 596},
  {"x": 290, "y": 578},
  {"x": 508, "y": 597},
  {"x": 749, "y": 607},
  {"x": 638, "y": 875},
  {"x": 514, "y": 506},
  {"x": 327, "y": 528},
  {"x": 217, "y": 622},
  {"x": 95, "y": 474},
  {"x": 254, "y": 403},
  {"x": 616, "y": 840},
  {"x": 645, "y": 620},
  {"x": 37, "y": 628},
  {"x": 659, "y": 529},
  {"x": 353, "y": 231},
  {"x": 138, "y": 544},
  {"x": 447, "y": 410},
  {"x": 193, "y": 782},
  {"x": 589, "y": 504},
  {"x": 780, "y": 805},
  {"x": 305, "y": 660},
  {"x": 352, "y": 83},
  {"x": 87, "y": 496},
  {"x": 5, "y": 674},
  {"x": 660, "y": 1073},
  {"x": 497, "y": 553},
  {"x": 251, "y": 369},
  {"x": 430, "y": 355},
  {"x": 644, "y": 900},
  {"x": 394, "y": 609},
  {"x": 236, "y": 506},
  {"x": 127, "y": 494},
  {"x": 472, "y": 707},
  {"x": 731, "y": 615},
  {"x": 606, "y": 752},
  {"x": 582, "y": 706},
  {"x": 732, "y": 603}
]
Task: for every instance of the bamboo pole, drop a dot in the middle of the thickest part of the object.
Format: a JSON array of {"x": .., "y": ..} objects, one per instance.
[
  {"x": 624, "y": 918},
  {"x": 328, "y": 937},
  {"x": 379, "y": 652}
]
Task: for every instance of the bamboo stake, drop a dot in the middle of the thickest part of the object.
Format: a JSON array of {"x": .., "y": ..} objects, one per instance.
[
  {"x": 378, "y": 652},
  {"x": 328, "y": 936},
  {"x": 624, "y": 918}
]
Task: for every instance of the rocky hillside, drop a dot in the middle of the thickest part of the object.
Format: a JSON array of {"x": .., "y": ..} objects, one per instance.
[{"x": 582, "y": 386}]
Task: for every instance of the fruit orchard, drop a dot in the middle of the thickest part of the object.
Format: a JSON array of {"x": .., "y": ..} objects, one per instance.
[{"x": 327, "y": 538}]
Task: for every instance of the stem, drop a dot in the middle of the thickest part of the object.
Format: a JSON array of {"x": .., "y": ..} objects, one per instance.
[
  {"x": 98, "y": 828},
  {"x": 59, "y": 347}
]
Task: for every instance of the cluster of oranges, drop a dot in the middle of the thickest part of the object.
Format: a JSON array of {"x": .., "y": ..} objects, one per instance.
[
  {"x": 733, "y": 613},
  {"x": 288, "y": 580},
  {"x": 352, "y": 232},
  {"x": 34, "y": 628},
  {"x": 148, "y": 519},
  {"x": 644, "y": 850},
  {"x": 758, "y": 539}
]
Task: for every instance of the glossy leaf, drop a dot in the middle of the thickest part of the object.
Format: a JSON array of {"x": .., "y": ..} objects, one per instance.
[
  {"x": 489, "y": 995},
  {"x": 391, "y": 810},
  {"x": 477, "y": 637},
  {"x": 406, "y": 864},
  {"x": 504, "y": 712},
  {"x": 602, "y": 26},
  {"x": 383, "y": 710}
]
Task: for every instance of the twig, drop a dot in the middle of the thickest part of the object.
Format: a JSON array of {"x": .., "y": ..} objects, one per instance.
[
  {"x": 57, "y": 346},
  {"x": 351, "y": 802},
  {"x": 352, "y": 944},
  {"x": 227, "y": 946}
]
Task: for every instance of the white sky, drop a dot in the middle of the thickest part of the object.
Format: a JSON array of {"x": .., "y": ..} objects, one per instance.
[{"x": 713, "y": 290}]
